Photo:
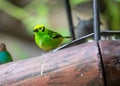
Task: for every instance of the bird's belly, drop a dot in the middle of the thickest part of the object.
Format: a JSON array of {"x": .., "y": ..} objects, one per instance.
[{"x": 50, "y": 45}]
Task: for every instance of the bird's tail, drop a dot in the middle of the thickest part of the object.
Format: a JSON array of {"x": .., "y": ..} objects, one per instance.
[{"x": 67, "y": 37}]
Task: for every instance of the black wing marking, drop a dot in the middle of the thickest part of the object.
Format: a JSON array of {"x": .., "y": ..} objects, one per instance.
[{"x": 54, "y": 34}]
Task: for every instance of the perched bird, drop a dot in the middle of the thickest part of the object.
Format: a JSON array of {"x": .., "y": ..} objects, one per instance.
[
  {"x": 84, "y": 27},
  {"x": 47, "y": 39},
  {"x": 5, "y": 56}
]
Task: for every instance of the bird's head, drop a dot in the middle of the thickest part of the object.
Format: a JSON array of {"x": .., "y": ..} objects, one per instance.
[
  {"x": 39, "y": 29},
  {"x": 2, "y": 47}
]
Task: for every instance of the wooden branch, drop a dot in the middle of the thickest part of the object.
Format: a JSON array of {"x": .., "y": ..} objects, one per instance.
[
  {"x": 74, "y": 66},
  {"x": 65, "y": 67},
  {"x": 111, "y": 58}
]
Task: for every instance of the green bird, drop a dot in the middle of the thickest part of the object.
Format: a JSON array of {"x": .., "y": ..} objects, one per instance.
[
  {"x": 5, "y": 56},
  {"x": 47, "y": 39}
]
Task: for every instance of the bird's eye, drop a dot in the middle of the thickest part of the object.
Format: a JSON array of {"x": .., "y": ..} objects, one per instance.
[{"x": 39, "y": 28}]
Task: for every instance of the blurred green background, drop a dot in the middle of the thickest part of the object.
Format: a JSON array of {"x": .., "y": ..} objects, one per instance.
[{"x": 18, "y": 17}]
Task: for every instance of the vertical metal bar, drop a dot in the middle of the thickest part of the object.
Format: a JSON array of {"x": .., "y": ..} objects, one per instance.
[
  {"x": 96, "y": 24},
  {"x": 68, "y": 11},
  {"x": 96, "y": 20}
]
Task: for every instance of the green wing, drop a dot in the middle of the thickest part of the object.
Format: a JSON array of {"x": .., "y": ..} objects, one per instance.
[{"x": 5, "y": 57}]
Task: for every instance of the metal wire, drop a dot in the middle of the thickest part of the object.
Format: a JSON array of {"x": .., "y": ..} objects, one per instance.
[{"x": 69, "y": 16}]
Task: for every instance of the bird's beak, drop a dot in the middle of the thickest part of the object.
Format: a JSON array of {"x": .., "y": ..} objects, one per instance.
[{"x": 35, "y": 30}]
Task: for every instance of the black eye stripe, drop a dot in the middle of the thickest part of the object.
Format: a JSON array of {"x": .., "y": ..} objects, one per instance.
[{"x": 43, "y": 29}]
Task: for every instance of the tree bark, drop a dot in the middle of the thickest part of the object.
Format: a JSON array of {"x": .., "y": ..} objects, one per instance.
[{"x": 79, "y": 65}]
